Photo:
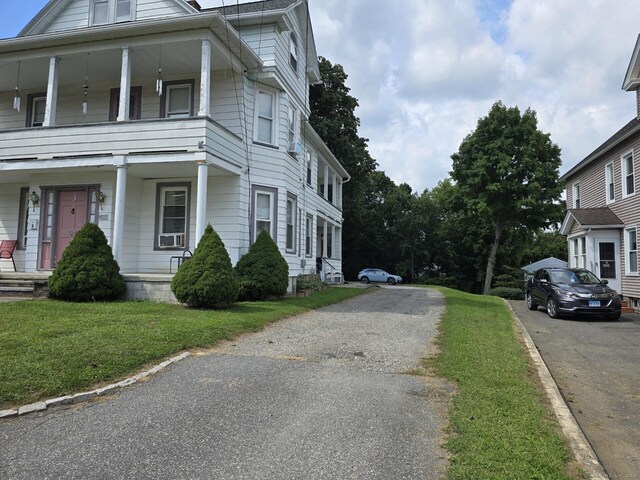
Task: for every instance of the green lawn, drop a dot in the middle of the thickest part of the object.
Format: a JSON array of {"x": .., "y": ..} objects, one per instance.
[
  {"x": 50, "y": 348},
  {"x": 499, "y": 428}
]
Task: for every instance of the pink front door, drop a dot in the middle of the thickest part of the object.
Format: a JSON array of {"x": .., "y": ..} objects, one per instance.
[{"x": 71, "y": 216}]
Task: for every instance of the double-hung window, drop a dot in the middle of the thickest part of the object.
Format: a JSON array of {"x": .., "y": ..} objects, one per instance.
[
  {"x": 23, "y": 218},
  {"x": 632, "y": 251},
  {"x": 628, "y": 182},
  {"x": 172, "y": 222},
  {"x": 36, "y": 109},
  {"x": 265, "y": 116},
  {"x": 580, "y": 252},
  {"x": 264, "y": 210},
  {"x": 103, "y": 12},
  {"x": 293, "y": 119},
  {"x": 576, "y": 195},
  {"x": 291, "y": 224},
  {"x": 307, "y": 235},
  {"x": 609, "y": 185},
  {"x": 177, "y": 99},
  {"x": 309, "y": 167},
  {"x": 100, "y": 12},
  {"x": 293, "y": 52}
]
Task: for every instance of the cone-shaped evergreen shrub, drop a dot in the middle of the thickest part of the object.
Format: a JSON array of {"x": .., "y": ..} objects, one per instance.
[
  {"x": 207, "y": 279},
  {"x": 263, "y": 271},
  {"x": 87, "y": 270}
]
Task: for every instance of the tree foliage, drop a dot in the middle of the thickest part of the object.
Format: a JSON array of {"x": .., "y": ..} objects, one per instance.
[
  {"x": 506, "y": 172},
  {"x": 207, "y": 279},
  {"x": 87, "y": 270}
]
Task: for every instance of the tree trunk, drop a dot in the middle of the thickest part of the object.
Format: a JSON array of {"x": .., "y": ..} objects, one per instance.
[{"x": 492, "y": 256}]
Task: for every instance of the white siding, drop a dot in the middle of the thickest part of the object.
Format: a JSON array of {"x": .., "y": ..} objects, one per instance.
[
  {"x": 76, "y": 15},
  {"x": 9, "y": 207},
  {"x": 157, "y": 9}
]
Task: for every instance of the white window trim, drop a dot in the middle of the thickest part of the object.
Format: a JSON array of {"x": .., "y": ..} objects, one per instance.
[
  {"x": 627, "y": 264},
  {"x": 576, "y": 198},
  {"x": 309, "y": 169},
  {"x": 274, "y": 119},
  {"x": 273, "y": 211},
  {"x": 623, "y": 162},
  {"x": 111, "y": 12},
  {"x": 292, "y": 124},
  {"x": 293, "y": 52},
  {"x": 167, "y": 88},
  {"x": 609, "y": 179},
  {"x": 293, "y": 201},
  {"x": 161, "y": 188},
  {"x": 308, "y": 222}
]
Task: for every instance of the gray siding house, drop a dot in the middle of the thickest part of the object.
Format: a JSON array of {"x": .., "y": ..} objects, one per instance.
[
  {"x": 153, "y": 118},
  {"x": 603, "y": 218}
]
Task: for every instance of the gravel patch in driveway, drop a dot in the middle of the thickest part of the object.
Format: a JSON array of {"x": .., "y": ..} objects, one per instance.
[{"x": 320, "y": 395}]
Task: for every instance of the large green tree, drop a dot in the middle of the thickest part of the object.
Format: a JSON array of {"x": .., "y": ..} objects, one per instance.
[
  {"x": 506, "y": 173},
  {"x": 333, "y": 117}
]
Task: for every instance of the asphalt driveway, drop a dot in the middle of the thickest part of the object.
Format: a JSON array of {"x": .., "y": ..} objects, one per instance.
[
  {"x": 322, "y": 395},
  {"x": 596, "y": 364}
]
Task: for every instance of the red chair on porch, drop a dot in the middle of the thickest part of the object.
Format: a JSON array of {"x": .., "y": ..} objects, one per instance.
[{"x": 7, "y": 247}]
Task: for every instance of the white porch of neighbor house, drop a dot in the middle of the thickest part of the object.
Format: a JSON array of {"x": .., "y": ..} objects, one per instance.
[{"x": 598, "y": 251}]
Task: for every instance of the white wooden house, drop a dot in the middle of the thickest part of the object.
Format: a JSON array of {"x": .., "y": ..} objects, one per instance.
[
  {"x": 603, "y": 205},
  {"x": 153, "y": 118}
]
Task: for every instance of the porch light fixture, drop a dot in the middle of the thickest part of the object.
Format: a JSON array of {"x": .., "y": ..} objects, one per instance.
[
  {"x": 101, "y": 197},
  {"x": 35, "y": 199},
  {"x": 16, "y": 98}
]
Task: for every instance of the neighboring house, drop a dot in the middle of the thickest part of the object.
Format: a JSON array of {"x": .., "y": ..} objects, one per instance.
[
  {"x": 603, "y": 215},
  {"x": 153, "y": 118},
  {"x": 549, "y": 262}
]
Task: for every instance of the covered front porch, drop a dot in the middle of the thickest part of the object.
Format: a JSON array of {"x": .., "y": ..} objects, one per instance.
[{"x": 150, "y": 207}]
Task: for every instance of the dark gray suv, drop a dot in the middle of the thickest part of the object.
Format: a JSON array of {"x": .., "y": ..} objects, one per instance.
[{"x": 572, "y": 291}]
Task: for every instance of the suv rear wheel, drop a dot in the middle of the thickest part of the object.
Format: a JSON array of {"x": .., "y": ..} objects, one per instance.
[
  {"x": 531, "y": 303},
  {"x": 552, "y": 308}
]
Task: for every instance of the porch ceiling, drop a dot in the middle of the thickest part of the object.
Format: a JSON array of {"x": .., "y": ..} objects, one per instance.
[
  {"x": 155, "y": 170},
  {"x": 178, "y": 59}
]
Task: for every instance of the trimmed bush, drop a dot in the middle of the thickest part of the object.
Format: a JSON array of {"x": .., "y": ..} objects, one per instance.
[
  {"x": 87, "y": 270},
  {"x": 507, "y": 293},
  {"x": 263, "y": 271},
  {"x": 207, "y": 279}
]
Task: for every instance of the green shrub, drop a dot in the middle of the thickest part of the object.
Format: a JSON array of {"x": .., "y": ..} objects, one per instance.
[
  {"x": 511, "y": 278},
  {"x": 507, "y": 293},
  {"x": 207, "y": 279},
  {"x": 263, "y": 271},
  {"x": 87, "y": 270}
]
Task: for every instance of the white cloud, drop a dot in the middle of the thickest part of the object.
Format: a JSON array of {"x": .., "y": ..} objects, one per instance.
[{"x": 424, "y": 71}]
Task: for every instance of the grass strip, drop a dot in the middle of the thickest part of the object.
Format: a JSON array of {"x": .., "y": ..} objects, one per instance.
[
  {"x": 499, "y": 427},
  {"x": 50, "y": 348}
]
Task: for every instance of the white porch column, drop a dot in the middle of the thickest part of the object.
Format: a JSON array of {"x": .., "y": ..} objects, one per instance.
[
  {"x": 324, "y": 240},
  {"x": 125, "y": 85},
  {"x": 52, "y": 93},
  {"x": 205, "y": 80},
  {"x": 118, "y": 215},
  {"x": 201, "y": 204}
]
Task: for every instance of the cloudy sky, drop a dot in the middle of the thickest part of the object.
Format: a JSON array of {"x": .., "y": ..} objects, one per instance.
[{"x": 424, "y": 71}]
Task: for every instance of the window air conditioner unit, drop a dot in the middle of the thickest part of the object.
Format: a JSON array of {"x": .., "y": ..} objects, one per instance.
[
  {"x": 171, "y": 240},
  {"x": 295, "y": 148}
]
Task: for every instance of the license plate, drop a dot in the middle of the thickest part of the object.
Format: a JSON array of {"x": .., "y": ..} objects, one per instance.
[{"x": 594, "y": 303}]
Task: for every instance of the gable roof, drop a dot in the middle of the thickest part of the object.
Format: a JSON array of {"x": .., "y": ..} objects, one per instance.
[
  {"x": 53, "y": 8},
  {"x": 625, "y": 132},
  {"x": 255, "y": 7},
  {"x": 549, "y": 262},
  {"x": 590, "y": 218},
  {"x": 632, "y": 77}
]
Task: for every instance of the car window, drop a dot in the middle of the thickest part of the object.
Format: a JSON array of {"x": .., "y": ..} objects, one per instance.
[
  {"x": 565, "y": 277},
  {"x": 586, "y": 277}
]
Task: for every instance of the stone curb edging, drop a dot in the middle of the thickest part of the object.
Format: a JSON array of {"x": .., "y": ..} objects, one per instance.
[
  {"x": 84, "y": 396},
  {"x": 579, "y": 444}
]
